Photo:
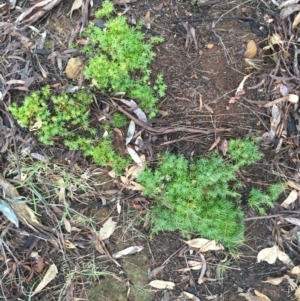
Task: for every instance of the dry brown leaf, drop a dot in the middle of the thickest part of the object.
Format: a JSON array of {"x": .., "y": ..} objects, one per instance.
[
  {"x": 74, "y": 68},
  {"x": 49, "y": 276},
  {"x": 160, "y": 284},
  {"x": 39, "y": 265},
  {"x": 37, "y": 125},
  {"x": 107, "y": 229},
  {"x": 128, "y": 251},
  {"x": 293, "y": 98},
  {"x": 293, "y": 220},
  {"x": 293, "y": 184},
  {"x": 67, "y": 225},
  {"x": 271, "y": 254},
  {"x": 148, "y": 20},
  {"x": 69, "y": 245},
  {"x": 250, "y": 297},
  {"x": 290, "y": 199},
  {"x": 215, "y": 143},
  {"x": 251, "y": 50},
  {"x": 224, "y": 147},
  {"x": 99, "y": 247},
  {"x": 23, "y": 212},
  {"x": 295, "y": 270},
  {"x": 276, "y": 281},
  {"x": 156, "y": 271},
  {"x": 191, "y": 296},
  {"x": 204, "y": 245},
  {"x": 261, "y": 296},
  {"x": 297, "y": 293},
  {"x": 36, "y": 11},
  {"x": 76, "y": 5},
  {"x": 296, "y": 21},
  {"x": 208, "y": 108}
]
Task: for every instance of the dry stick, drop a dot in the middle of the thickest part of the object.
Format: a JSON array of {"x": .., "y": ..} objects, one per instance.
[
  {"x": 166, "y": 130},
  {"x": 270, "y": 216}
]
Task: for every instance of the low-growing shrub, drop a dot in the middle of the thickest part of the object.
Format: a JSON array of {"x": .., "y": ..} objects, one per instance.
[
  {"x": 201, "y": 196},
  {"x": 120, "y": 58},
  {"x": 68, "y": 117}
]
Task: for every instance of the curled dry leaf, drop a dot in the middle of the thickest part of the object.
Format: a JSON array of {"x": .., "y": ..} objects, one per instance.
[
  {"x": 261, "y": 296},
  {"x": 290, "y": 199},
  {"x": 76, "y": 5},
  {"x": 191, "y": 296},
  {"x": 204, "y": 245},
  {"x": 128, "y": 251},
  {"x": 160, "y": 284},
  {"x": 271, "y": 254},
  {"x": 276, "y": 281},
  {"x": 107, "y": 229}
]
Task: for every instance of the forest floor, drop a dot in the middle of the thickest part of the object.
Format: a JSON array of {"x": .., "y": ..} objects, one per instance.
[{"x": 225, "y": 63}]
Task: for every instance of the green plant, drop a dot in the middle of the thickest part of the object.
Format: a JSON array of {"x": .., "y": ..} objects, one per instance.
[
  {"x": 118, "y": 120},
  {"x": 244, "y": 152},
  {"x": 67, "y": 117},
  {"x": 121, "y": 60},
  {"x": 257, "y": 198},
  {"x": 200, "y": 196}
]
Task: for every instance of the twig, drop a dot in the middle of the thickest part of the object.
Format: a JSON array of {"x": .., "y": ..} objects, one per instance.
[{"x": 166, "y": 130}]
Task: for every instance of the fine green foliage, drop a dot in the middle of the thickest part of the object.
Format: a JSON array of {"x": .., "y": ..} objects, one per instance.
[
  {"x": 67, "y": 116},
  {"x": 120, "y": 59},
  {"x": 257, "y": 198},
  {"x": 201, "y": 197},
  {"x": 118, "y": 120},
  {"x": 244, "y": 152}
]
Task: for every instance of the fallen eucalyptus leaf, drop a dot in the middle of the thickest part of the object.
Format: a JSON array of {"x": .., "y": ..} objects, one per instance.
[
  {"x": 127, "y": 251},
  {"x": 107, "y": 229},
  {"x": 271, "y": 254},
  {"x": 276, "y": 281},
  {"x": 160, "y": 284},
  {"x": 49, "y": 276},
  {"x": 130, "y": 132},
  {"x": 204, "y": 245},
  {"x": 290, "y": 199}
]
